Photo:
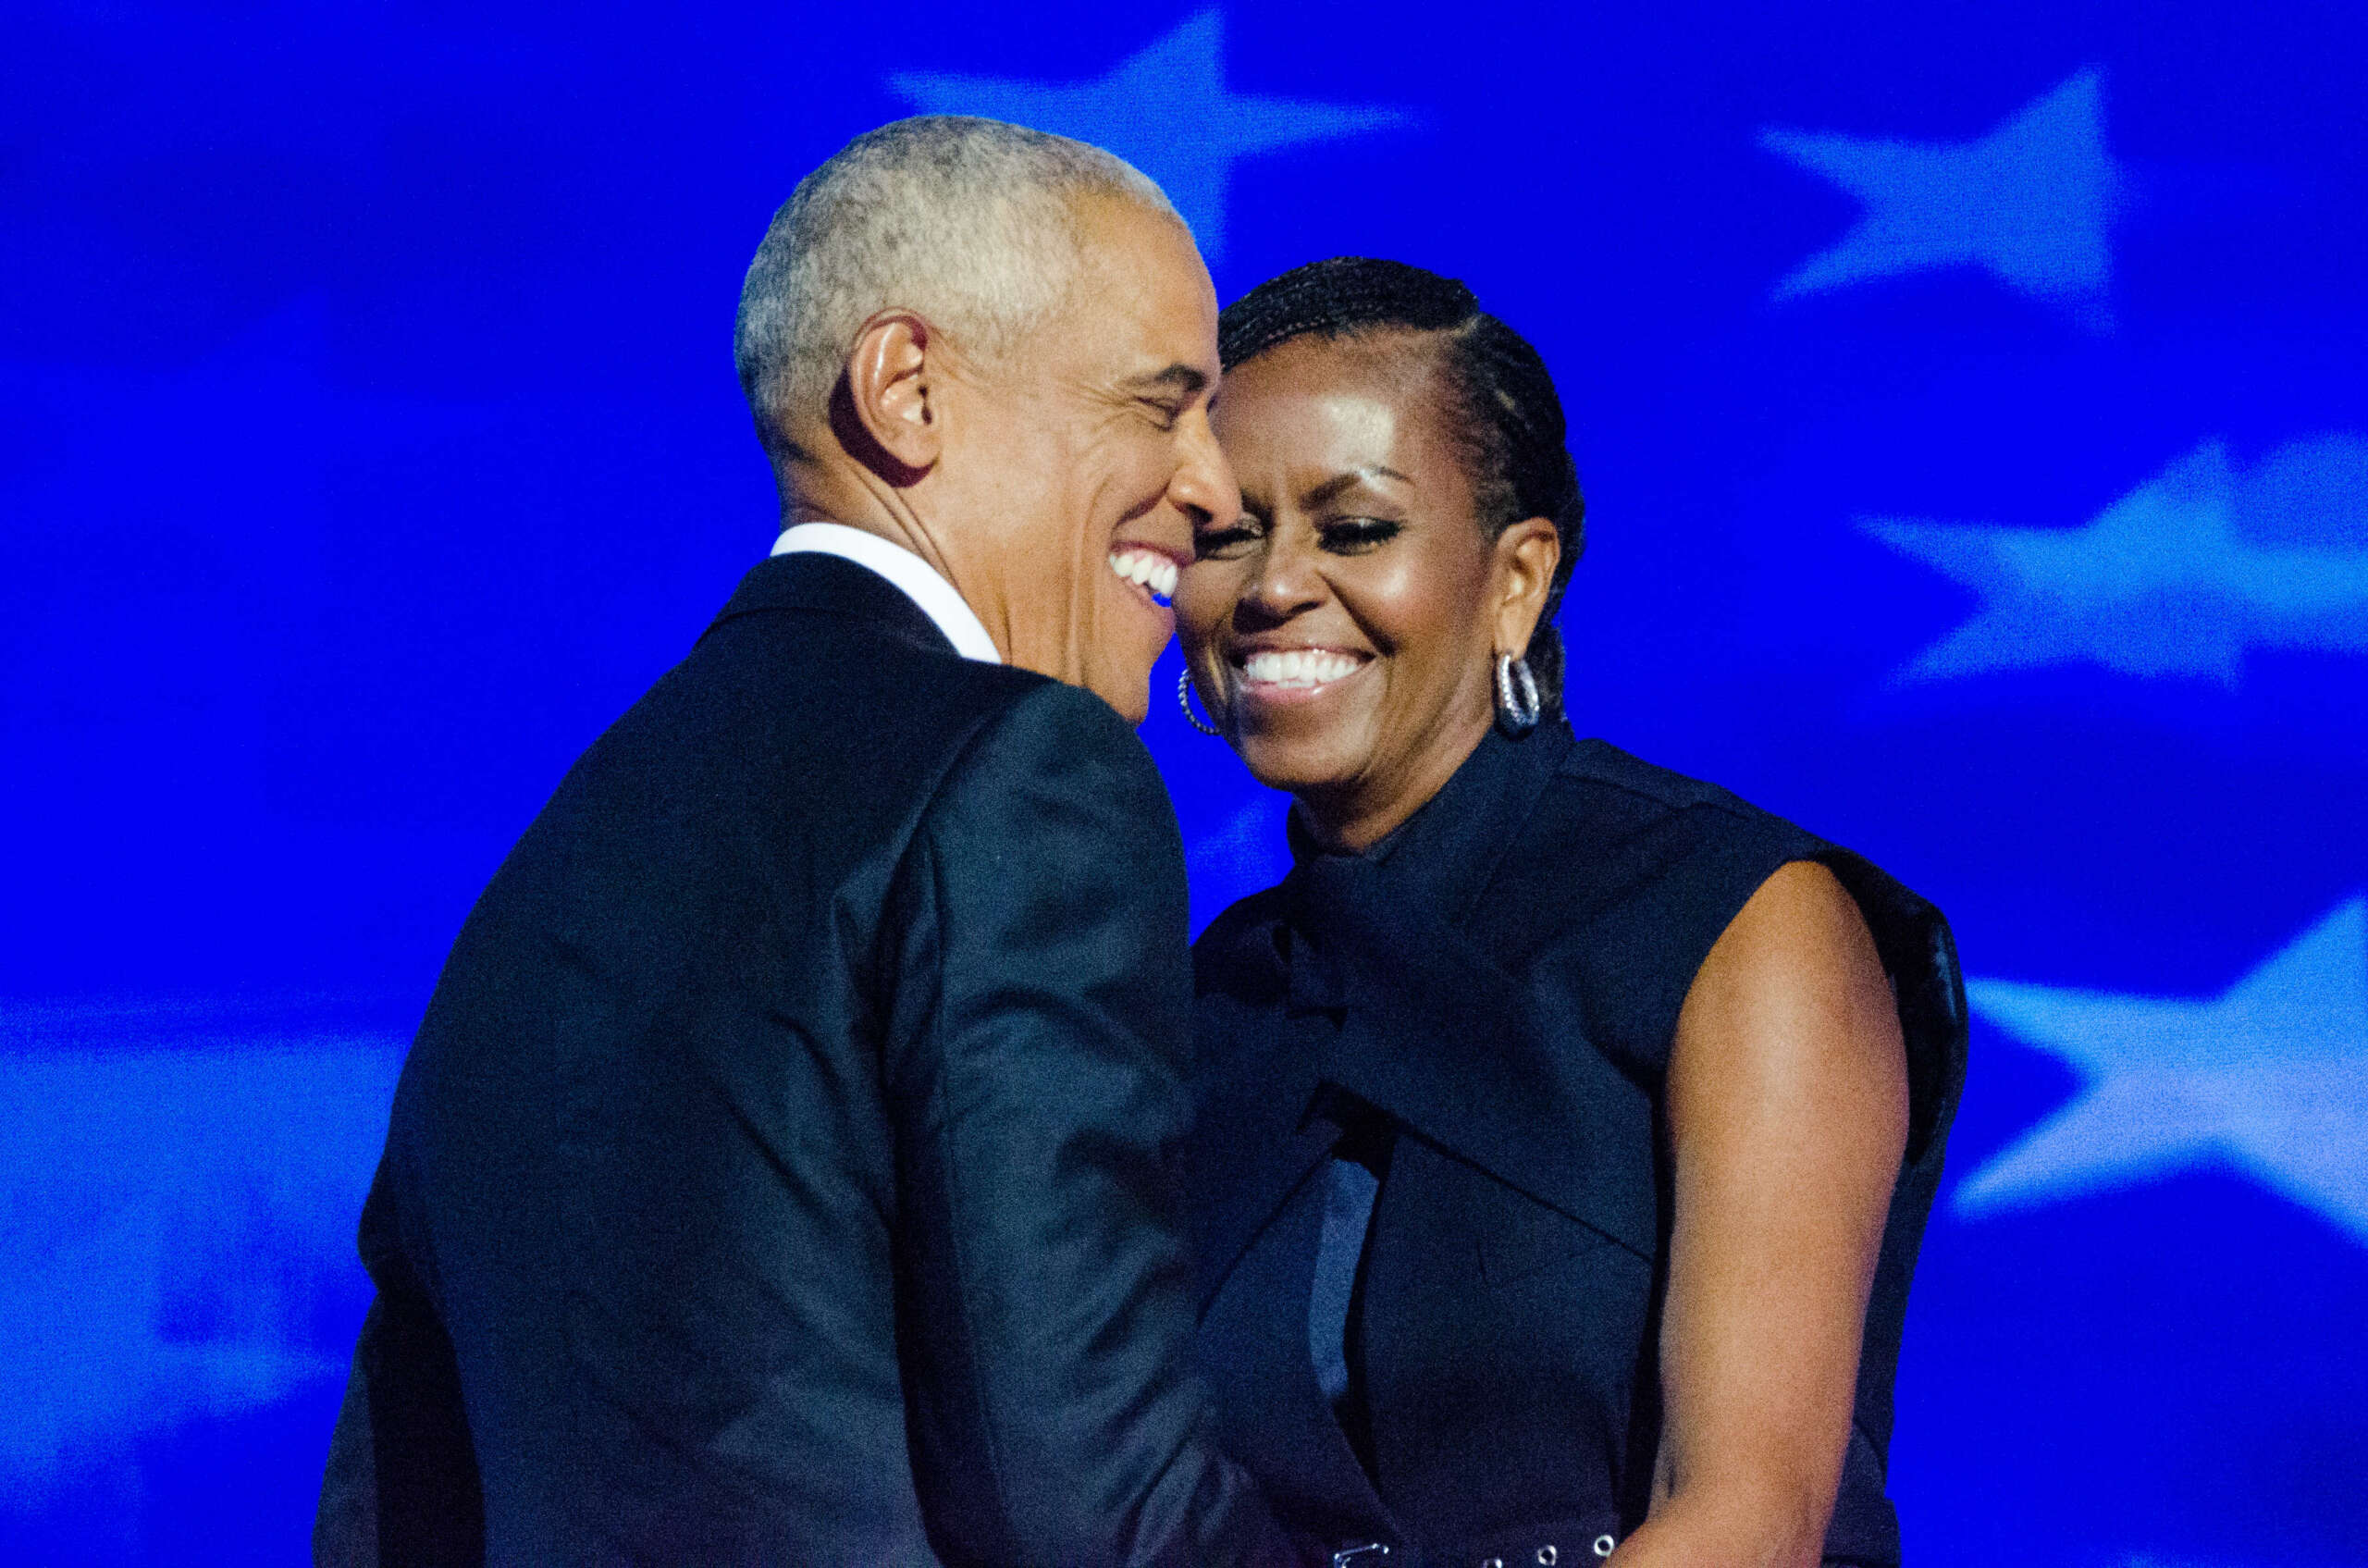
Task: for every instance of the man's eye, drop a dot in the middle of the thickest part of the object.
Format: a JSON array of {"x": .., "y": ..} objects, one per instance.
[
  {"x": 1210, "y": 544},
  {"x": 1353, "y": 535},
  {"x": 1165, "y": 416}
]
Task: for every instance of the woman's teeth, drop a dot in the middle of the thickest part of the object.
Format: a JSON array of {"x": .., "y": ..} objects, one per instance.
[
  {"x": 1298, "y": 667},
  {"x": 1148, "y": 570}
]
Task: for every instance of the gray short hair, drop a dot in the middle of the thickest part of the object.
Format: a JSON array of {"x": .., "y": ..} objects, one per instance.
[{"x": 970, "y": 222}]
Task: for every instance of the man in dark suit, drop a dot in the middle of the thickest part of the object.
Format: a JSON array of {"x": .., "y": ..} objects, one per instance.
[{"x": 782, "y": 1173}]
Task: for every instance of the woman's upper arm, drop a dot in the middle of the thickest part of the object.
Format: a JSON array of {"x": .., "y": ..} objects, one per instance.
[{"x": 1788, "y": 1106}]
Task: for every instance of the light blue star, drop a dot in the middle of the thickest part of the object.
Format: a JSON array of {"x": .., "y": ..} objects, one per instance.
[
  {"x": 2033, "y": 202},
  {"x": 2179, "y": 577},
  {"x": 2270, "y": 1079},
  {"x": 1165, "y": 110},
  {"x": 178, "y": 1189}
]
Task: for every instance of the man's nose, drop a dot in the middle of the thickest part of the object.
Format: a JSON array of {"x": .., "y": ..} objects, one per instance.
[{"x": 1203, "y": 484}]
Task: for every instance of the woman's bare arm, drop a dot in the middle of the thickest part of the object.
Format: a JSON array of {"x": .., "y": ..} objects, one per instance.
[{"x": 1787, "y": 1116}]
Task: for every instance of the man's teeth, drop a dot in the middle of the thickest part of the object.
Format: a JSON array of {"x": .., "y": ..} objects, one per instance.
[
  {"x": 1298, "y": 667},
  {"x": 1147, "y": 569}
]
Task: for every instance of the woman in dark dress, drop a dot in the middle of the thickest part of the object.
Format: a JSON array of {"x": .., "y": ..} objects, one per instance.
[{"x": 1568, "y": 1127}]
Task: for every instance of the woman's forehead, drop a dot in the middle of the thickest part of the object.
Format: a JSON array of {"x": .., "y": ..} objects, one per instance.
[
  {"x": 1399, "y": 362},
  {"x": 1334, "y": 406},
  {"x": 1357, "y": 421}
]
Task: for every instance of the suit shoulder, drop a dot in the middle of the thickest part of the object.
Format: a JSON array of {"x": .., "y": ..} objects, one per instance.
[
  {"x": 1614, "y": 833},
  {"x": 1599, "y": 769},
  {"x": 1051, "y": 825},
  {"x": 1051, "y": 775},
  {"x": 1038, "y": 707},
  {"x": 1045, "y": 730},
  {"x": 823, "y": 683}
]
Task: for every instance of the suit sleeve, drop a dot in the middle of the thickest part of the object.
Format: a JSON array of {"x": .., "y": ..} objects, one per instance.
[
  {"x": 1038, "y": 1039},
  {"x": 400, "y": 1484}
]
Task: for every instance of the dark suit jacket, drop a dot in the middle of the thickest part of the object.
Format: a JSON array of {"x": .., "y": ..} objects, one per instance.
[
  {"x": 783, "y": 1172},
  {"x": 1497, "y": 985}
]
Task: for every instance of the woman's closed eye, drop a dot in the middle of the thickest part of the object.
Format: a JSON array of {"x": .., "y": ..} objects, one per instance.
[
  {"x": 1334, "y": 536},
  {"x": 1214, "y": 544},
  {"x": 1354, "y": 536}
]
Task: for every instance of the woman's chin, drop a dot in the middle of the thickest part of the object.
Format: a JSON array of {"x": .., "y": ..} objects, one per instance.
[
  {"x": 1301, "y": 739},
  {"x": 1294, "y": 764}
]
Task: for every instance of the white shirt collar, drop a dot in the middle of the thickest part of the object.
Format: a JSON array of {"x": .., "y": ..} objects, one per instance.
[{"x": 908, "y": 572}]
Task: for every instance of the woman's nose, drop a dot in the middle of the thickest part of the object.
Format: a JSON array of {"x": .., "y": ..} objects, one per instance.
[{"x": 1284, "y": 583}]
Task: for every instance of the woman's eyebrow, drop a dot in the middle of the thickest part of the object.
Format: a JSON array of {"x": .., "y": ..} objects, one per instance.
[{"x": 1332, "y": 488}]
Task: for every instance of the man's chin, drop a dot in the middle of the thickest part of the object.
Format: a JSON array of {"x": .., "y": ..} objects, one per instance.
[
  {"x": 1131, "y": 697},
  {"x": 1123, "y": 679}
]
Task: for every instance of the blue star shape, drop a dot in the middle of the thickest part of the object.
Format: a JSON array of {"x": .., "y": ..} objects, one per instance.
[
  {"x": 2179, "y": 577},
  {"x": 1166, "y": 110},
  {"x": 2033, "y": 202},
  {"x": 2269, "y": 1079}
]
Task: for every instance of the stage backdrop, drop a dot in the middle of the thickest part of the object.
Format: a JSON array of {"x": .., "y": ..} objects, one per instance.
[{"x": 1973, "y": 405}]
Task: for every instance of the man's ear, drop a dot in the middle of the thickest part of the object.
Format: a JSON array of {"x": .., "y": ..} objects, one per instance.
[
  {"x": 1526, "y": 555},
  {"x": 891, "y": 394}
]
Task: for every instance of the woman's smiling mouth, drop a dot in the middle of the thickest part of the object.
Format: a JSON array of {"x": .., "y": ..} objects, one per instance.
[{"x": 1268, "y": 673}]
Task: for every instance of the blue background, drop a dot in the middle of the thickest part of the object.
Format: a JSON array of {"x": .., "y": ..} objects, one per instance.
[{"x": 368, "y": 439}]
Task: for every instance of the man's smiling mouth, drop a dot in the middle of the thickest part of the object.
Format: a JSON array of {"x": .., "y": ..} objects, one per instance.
[{"x": 1148, "y": 570}]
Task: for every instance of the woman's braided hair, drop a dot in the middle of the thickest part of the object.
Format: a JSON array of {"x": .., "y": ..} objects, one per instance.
[{"x": 1508, "y": 419}]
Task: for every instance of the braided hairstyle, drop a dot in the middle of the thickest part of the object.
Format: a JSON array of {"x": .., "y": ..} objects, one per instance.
[{"x": 1509, "y": 421}]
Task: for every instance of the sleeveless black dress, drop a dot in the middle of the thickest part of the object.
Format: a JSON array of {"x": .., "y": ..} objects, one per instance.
[{"x": 1449, "y": 1053}]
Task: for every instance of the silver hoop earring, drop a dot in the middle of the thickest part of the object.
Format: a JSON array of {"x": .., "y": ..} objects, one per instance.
[
  {"x": 1184, "y": 700},
  {"x": 1517, "y": 704}
]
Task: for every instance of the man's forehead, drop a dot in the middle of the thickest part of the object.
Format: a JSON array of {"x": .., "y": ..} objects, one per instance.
[
  {"x": 1145, "y": 261},
  {"x": 1141, "y": 344},
  {"x": 1140, "y": 318}
]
